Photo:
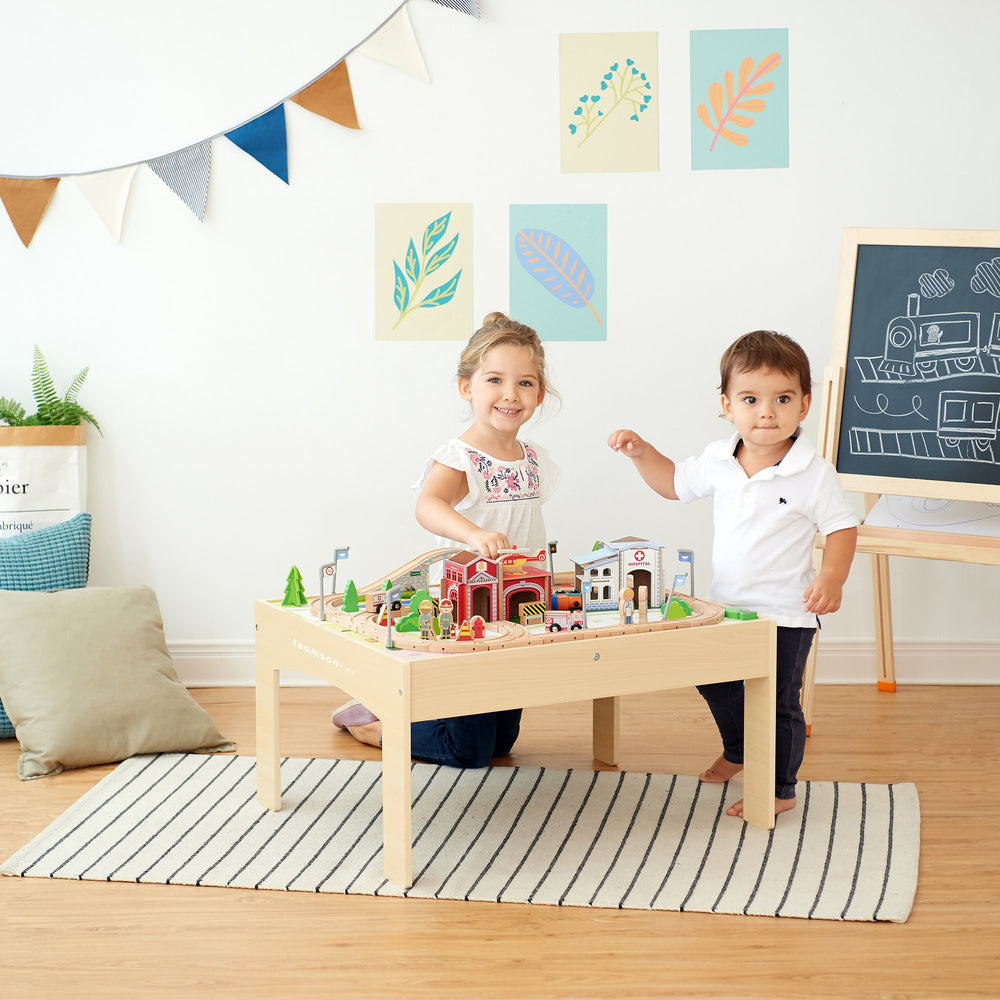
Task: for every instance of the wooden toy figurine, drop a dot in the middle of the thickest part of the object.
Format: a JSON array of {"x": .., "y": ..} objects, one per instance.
[
  {"x": 426, "y": 619},
  {"x": 445, "y": 620},
  {"x": 625, "y": 606}
]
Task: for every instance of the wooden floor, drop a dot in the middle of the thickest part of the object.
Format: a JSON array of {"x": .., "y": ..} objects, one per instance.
[{"x": 73, "y": 940}]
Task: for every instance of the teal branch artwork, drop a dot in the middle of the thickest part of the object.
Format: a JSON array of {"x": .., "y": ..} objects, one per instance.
[
  {"x": 624, "y": 87},
  {"x": 419, "y": 267}
]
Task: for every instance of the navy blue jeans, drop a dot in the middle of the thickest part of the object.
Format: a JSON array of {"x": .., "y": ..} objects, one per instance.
[
  {"x": 467, "y": 740},
  {"x": 726, "y": 702}
]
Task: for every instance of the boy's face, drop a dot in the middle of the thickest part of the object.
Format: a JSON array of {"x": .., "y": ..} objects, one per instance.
[{"x": 765, "y": 405}]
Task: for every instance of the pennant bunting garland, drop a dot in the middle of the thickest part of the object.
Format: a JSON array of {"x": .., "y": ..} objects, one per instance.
[
  {"x": 396, "y": 44},
  {"x": 265, "y": 140},
  {"x": 186, "y": 174},
  {"x": 107, "y": 193},
  {"x": 466, "y": 6},
  {"x": 26, "y": 201},
  {"x": 331, "y": 97}
]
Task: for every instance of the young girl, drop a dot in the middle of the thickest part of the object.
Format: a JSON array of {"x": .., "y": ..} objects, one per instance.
[{"x": 482, "y": 491}]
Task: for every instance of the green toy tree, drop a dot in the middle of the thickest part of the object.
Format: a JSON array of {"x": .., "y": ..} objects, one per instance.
[
  {"x": 411, "y": 621},
  {"x": 295, "y": 593},
  {"x": 350, "y": 602}
]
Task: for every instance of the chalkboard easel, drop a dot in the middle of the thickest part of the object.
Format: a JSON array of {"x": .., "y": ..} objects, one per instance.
[{"x": 910, "y": 404}]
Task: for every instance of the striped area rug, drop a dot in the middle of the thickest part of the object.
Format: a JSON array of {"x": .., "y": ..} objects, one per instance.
[{"x": 507, "y": 834}]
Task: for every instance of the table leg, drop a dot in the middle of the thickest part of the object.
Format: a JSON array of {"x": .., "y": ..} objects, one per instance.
[
  {"x": 606, "y": 713},
  {"x": 268, "y": 764},
  {"x": 758, "y": 743},
  {"x": 397, "y": 834}
]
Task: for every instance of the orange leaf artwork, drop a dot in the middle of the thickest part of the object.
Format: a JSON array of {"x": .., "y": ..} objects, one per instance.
[{"x": 739, "y": 101}]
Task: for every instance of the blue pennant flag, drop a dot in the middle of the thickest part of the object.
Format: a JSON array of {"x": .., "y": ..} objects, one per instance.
[{"x": 265, "y": 140}]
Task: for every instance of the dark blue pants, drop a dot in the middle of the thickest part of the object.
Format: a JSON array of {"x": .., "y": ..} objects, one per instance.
[
  {"x": 726, "y": 702},
  {"x": 467, "y": 740}
]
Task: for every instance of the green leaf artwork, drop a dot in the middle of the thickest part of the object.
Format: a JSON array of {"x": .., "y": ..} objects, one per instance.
[
  {"x": 622, "y": 87},
  {"x": 417, "y": 267}
]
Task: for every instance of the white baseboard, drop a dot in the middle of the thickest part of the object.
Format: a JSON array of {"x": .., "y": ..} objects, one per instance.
[
  {"x": 841, "y": 661},
  {"x": 845, "y": 661}
]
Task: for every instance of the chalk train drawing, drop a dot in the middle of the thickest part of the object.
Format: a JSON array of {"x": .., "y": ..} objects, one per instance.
[
  {"x": 928, "y": 347},
  {"x": 922, "y": 347}
]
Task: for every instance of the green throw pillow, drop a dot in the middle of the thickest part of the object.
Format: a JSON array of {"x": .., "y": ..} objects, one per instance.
[
  {"x": 87, "y": 679},
  {"x": 52, "y": 558}
]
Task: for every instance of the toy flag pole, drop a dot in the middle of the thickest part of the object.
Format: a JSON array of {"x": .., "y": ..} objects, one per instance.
[
  {"x": 330, "y": 569},
  {"x": 687, "y": 555}
]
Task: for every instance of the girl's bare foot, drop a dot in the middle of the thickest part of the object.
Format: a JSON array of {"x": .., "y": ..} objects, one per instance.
[
  {"x": 722, "y": 770},
  {"x": 780, "y": 806},
  {"x": 370, "y": 734}
]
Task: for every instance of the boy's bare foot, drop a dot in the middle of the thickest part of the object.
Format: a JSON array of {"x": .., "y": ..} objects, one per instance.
[
  {"x": 780, "y": 806},
  {"x": 722, "y": 770},
  {"x": 370, "y": 734}
]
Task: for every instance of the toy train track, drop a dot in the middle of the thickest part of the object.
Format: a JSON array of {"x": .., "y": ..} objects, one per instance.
[{"x": 507, "y": 635}]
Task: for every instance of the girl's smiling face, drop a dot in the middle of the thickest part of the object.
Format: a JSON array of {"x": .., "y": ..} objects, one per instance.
[
  {"x": 766, "y": 406},
  {"x": 505, "y": 390}
]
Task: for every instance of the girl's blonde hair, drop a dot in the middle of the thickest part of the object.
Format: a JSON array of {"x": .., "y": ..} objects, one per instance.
[{"x": 499, "y": 330}]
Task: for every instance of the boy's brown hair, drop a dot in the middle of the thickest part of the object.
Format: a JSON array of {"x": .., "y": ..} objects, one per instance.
[{"x": 765, "y": 349}]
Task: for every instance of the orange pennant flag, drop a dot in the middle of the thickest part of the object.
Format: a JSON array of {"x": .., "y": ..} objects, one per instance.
[
  {"x": 26, "y": 201},
  {"x": 331, "y": 96}
]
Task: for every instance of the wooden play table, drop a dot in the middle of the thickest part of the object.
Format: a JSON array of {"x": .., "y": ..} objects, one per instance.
[{"x": 401, "y": 687}]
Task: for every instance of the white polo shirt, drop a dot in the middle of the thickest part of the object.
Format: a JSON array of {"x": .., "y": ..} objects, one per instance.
[{"x": 765, "y": 526}]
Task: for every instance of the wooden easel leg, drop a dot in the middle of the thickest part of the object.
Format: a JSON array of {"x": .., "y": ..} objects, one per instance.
[{"x": 884, "y": 651}]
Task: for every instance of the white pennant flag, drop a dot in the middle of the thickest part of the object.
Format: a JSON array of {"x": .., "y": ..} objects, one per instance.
[
  {"x": 396, "y": 44},
  {"x": 108, "y": 193}
]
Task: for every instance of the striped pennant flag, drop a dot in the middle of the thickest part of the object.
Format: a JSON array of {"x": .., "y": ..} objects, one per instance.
[
  {"x": 186, "y": 174},
  {"x": 107, "y": 192},
  {"x": 331, "y": 97},
  {"x": 466, "y": 6},
  {"x": 265, "y": 140},
  {"x": 26, "y": 201}
]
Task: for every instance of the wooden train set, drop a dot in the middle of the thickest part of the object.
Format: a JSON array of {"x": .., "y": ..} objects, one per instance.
[{"x": 498, "y": 633}]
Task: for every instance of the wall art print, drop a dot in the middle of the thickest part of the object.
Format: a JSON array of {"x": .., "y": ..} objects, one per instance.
[
  {"x": 739, "y": 99},
  {"x": 423, "y": 272},
  {"x": 559, "y": 270},
  {"x": 608, "y": 103}
]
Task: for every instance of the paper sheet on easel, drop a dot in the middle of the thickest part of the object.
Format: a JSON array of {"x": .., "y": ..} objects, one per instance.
[{"x": 960, "y": 517}]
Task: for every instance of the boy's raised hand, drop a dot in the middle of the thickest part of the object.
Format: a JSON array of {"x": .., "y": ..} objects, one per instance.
[
  {"x": 656, "y": 469},
  {"x": 627, "y": 442}
]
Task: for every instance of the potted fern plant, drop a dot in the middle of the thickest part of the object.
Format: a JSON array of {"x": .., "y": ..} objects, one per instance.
[
  {"x": 52, "y": 409},
  {"x": 43, "y": 463}
]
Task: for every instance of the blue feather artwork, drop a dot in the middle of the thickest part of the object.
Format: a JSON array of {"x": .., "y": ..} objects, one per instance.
[{"x": 557, "y": 267}]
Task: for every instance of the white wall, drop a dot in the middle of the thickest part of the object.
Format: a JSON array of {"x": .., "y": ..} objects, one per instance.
[{"x": 234, "y": 364}]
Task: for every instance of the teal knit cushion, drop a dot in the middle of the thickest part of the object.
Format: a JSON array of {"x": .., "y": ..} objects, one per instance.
[{"x": 52, "y": 558}]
